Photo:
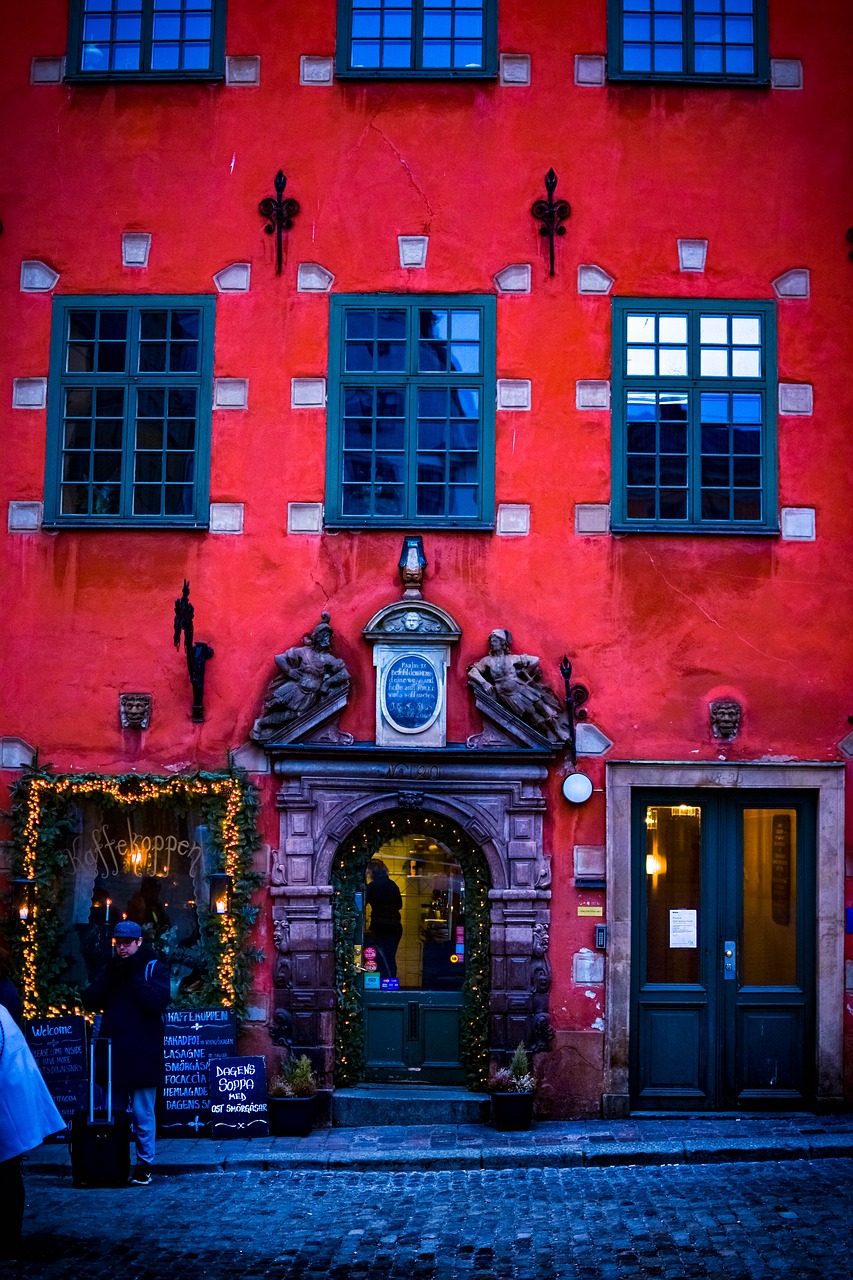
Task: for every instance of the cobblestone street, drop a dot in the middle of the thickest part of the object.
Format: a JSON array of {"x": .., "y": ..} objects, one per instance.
[{"x": 745, "y": 1220}]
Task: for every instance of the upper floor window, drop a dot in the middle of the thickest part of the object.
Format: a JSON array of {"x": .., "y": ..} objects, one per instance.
[
  {"x": 694, "y": 427},
  {"x": 709, "y": 40},
  {"x": 411, "y": 437},
  {"x": 146, "y": 40},
  {"x": 129, "y": 405},
  {"x": 396, "y": 38}
]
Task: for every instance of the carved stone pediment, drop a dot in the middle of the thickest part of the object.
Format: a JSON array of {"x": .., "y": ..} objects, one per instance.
[
  {"x": 407, "y": 620},
  {"x": 502, "y": 728},
  {"x": 317, "y": 725}
]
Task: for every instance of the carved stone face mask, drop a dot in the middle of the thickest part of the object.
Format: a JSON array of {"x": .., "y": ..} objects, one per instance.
[
  {"x": 135, "y": 710},
  {"x": 725, "y": 718}
]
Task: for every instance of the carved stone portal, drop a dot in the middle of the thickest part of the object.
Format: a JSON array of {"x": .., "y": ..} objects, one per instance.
[
  {"x": 499, "y": 804},
  {"x": 134, "y": 710},
  {"x": 725, "y": 716},
  {"x": 311, "y": 680}
]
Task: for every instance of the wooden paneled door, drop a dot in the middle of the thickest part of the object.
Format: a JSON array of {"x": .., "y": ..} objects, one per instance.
[{"x": 723, "y": 950}]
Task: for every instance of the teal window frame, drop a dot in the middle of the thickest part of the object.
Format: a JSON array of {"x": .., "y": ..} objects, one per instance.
[
  {"x": 411, "y": 380},
  {"x": 130, "y": 381},
  {"x": 346, "y": 70},
  {"x": 76, "y": 74},
  {"x": 615, "y": 50},
  {"x": 692, "y": 386}
]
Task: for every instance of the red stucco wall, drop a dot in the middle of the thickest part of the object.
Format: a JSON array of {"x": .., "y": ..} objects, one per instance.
[{"x": 654, "y": 624}]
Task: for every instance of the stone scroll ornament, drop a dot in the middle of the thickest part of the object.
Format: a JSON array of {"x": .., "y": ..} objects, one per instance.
[
  {"x": 309, "y": 675},
  {"x": 515, "y": 680}
]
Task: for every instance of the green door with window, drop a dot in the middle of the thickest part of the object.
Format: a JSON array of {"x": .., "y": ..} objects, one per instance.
[
  {"x": 723, "y": 939},
  {"x": 412, "y": 962}
]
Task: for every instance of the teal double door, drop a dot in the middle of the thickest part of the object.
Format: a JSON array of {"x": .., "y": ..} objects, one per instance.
[{"x": 723, "y": 948}]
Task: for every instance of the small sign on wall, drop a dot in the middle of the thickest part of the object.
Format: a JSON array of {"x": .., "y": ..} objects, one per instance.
[{"x": 682, "y": 928}]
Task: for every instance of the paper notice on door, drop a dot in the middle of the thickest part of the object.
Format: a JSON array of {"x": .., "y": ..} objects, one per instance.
[{"x": 682, "y": 928}]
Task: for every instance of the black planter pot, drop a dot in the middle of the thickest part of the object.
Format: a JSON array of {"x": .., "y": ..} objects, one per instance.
[
  {"x": 512, "y": 1111},
  {"x": 291, "y": 1117}
]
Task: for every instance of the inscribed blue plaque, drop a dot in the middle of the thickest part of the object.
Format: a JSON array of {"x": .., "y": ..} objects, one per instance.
[{"x": 411, "y": 692}]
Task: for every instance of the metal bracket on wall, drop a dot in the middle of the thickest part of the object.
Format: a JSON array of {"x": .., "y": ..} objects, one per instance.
[
  {"x": 198, "y": 653},
  {"x": 279, "y": 214},
  {"x": 552, "y": 214}
]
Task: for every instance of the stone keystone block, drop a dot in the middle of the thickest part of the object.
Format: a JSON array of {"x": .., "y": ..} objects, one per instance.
[
  {"x": 592, "y": 394},
  {"x": 16, "y": 753},
  {"x": 230, "y": 393},
  {"x": 37, "y": 277},
  {"x": 513, "y": 519},
  {"x": 786, "y": 73},
  {"x": 24, "y": 517},
  {"x": 29, "y": 393},
  {"x": 514, "y": 393},
  {"x": 135, "y": 248},
  {"x": 307, "y": 393},
  {"x": 312, "y": 278},
  {"x": 226, "y": 517},
  {"x": 514, "y": 279},
  {"x": 243, "y": 70},
  {"x": 304, "y": 517},
  {"x": 234, "y": 279},
  {"x": 47, "y": 70},
  {"x": 592, "y": 517},
  {"x": 515, "y": 68},
  {"x": 593, "y": 279},
  {"x": 798, "y": 524},
  {"x": 792, "y": 284},
  {"x": 795, "y": 398},
  {"x": 692, "y": 255},
  {"x": 315, "y": 70},
  {"x": 413, "y": 250},
  {"x": 590, "y": 69}
]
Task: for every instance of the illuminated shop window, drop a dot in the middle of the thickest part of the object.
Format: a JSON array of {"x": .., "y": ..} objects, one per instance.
[
  {"x": 129, "y": 411},
  {"x": 146, "y": 40},
  {"x": 411, "y": 411},
  {"x": 707, "y": 40},
  {"x": 440, "y": 38},
  {"x": 694, "y": 391}
]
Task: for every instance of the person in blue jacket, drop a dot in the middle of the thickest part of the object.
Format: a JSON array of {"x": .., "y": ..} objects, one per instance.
[
  {"x": 133, "y": 991},
  {"x": 27, "y": 1117}
]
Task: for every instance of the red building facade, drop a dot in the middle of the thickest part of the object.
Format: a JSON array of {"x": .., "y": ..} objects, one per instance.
[{"x": 660, "y": 493}]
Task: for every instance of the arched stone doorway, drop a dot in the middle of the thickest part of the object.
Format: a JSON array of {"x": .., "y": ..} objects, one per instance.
[
  {"x": 412, "y": 952},
  {"x": 492, "y": 798}
]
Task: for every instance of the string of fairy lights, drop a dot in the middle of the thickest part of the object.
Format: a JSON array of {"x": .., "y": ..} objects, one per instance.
[{"x": 231, "y": 804}]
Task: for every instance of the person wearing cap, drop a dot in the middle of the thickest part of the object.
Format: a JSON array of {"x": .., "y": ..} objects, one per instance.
[{"x": 133, "y": 991}]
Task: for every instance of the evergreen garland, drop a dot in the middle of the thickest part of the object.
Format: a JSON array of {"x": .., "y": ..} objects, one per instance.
[
  {"x": 348, "y": 877},
  {"x": 42, "y": 821}
]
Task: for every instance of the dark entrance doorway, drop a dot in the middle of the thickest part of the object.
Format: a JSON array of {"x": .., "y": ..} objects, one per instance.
[{"x": 722, "y": 1006}]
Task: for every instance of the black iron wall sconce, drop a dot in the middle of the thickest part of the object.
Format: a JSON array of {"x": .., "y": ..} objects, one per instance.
[
  {"x": 279, "y": 214},
  {"x": 576, "y": 696},
  {"x": 198, "y": 653},
  {"x": 552, "y": 214},
  {"x": 23, "y": 899}
]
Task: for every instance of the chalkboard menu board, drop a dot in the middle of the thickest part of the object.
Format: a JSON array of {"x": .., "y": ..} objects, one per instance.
[
  {"x": 193, "y": 1039},
  {"x": 59, "y": 1047},
  {"x": 238, "y": 1098}
]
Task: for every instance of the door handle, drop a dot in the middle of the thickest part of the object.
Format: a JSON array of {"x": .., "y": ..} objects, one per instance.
[
  {"x": 414, "y": 1020},
  {"x": 729, "y": 961}
]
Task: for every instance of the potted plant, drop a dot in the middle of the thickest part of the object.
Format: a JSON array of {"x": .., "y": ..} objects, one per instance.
[
  {"x": 512, "y": 1089},
  {"x": 290, "y": 1099}
]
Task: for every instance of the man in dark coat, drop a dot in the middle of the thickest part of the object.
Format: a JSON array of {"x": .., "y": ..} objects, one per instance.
[{"x": 133, "y": 990}]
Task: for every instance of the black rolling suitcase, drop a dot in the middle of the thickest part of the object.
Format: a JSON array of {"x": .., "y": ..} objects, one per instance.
[{"x": 100, "y": 1140}]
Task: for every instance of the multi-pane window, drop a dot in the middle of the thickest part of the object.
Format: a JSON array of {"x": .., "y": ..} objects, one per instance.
[
  {"x": 694, "y": 415},
  {"x": 130, "y": 410},
  {"x": 688, "y": 39},
  {"x": 416, "y": 37},
  {"x": 146, "y": 39},
  {"x": 411, "y": 411}
]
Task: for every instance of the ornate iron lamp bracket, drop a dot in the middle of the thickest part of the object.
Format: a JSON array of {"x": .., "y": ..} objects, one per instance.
[
  {"x": 576, "y": 696},
  {"x": 279, "y": 214},
  {"x": 198, "y": 653},
  {"x": 552, "y": 214}
]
